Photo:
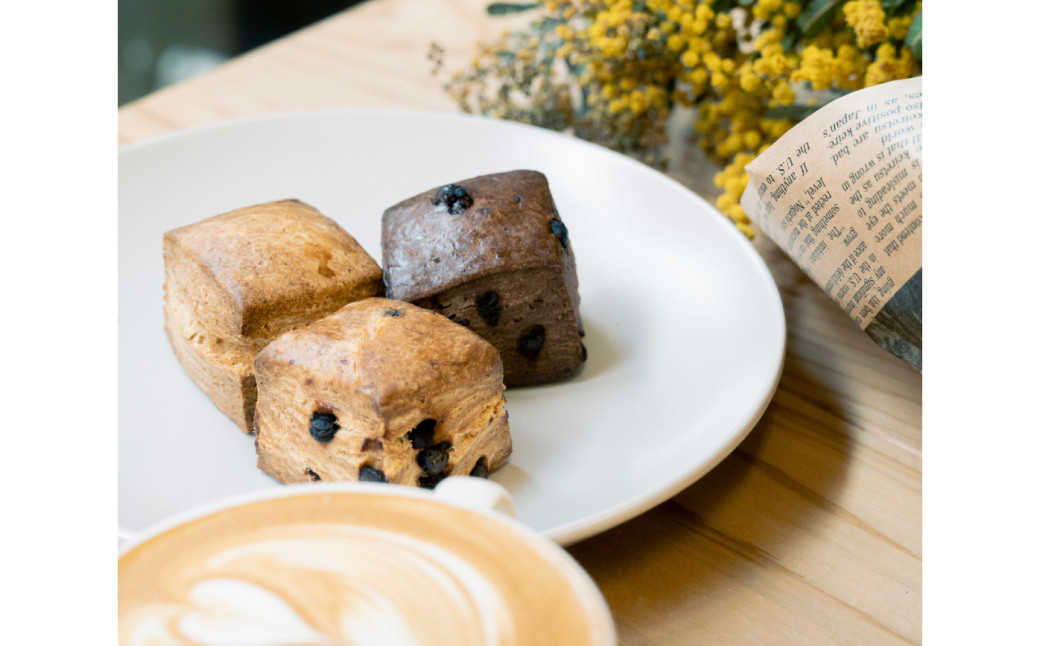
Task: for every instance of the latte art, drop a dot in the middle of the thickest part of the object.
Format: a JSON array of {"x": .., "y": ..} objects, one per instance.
[
  {"x": 389, "y": 577},
  {"x": 259, "y": 593},
  {"x": 226, "y": 612}
]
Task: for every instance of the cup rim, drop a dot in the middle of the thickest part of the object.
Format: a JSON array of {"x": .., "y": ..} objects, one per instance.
[
  {"x": 211, "y": 507},
  {"x": 555, "y": 555}
]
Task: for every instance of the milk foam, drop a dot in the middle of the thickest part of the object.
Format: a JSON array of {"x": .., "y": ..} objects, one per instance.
[
  {"x": 328, "y": 584},
  {"x": 229, "y": 612},
  {"x": 359, "y": 568}
]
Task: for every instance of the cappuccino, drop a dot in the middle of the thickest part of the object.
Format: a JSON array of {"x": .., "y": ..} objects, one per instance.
[{"x": 355, "y": 567}]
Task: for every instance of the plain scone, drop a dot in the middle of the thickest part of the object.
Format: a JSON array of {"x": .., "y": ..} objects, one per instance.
[
  {"x": 236, "y": 281},
  {"x": 492, "y": 254},
  {"x": 380, "y": 391}
]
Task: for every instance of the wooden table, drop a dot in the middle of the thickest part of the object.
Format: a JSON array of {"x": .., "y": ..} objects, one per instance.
[{"x": 810, "y": 532}]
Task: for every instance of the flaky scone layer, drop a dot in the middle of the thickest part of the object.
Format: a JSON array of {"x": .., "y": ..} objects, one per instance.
[
  {"x": 380, "y": 368},
  {"x": 237, "y": 280}
]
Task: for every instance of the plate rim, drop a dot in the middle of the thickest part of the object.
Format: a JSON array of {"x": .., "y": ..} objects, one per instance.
[{"x": 576, "y": 530}]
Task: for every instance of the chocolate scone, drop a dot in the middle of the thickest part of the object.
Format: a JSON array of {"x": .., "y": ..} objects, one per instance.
[
  {"x": 380, "y": 391},
  {"x": 492, "y": 254},
  {"x": 237, "y": 280}
]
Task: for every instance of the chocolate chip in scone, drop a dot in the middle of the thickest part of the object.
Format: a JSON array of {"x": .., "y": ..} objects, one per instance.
[
  {"x": 584, "y": 352},
  {"x": 314, "y": 476},
  {"x": 429, "y": 482},
  {"x": 434, "y": 460},
  {"x": 480, "y": 469},
  {"x": 369, "y": 474},
  {"x": 489, "y": 307},
  {"x": 559, "y": 230},
  {"x": 455, "y": 197},
  {"x": 392, "y": 312},
  {"x": 422, "y": 435},
  {"x": 323, "y": 426},
  {"x": 530, "y": 342}
]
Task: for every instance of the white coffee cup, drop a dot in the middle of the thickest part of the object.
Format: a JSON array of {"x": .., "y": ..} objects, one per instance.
[{"x": 356, "y": 563}]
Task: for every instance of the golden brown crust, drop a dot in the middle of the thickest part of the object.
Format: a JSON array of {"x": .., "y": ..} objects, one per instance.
[
  {"x": 232, "y": 390},
  {"x": 388, "y": 349},
  {"x": 380, "y": 367},
  {"x": 236, "y": 280},
  {"x": 273, "y": 267}
]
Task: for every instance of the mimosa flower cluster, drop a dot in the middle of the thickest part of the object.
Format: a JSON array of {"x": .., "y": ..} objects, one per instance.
[{"x": 614, "y": 71}]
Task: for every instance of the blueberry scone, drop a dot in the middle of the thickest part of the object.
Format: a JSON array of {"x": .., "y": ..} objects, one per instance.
[
  {"x": 381, "y": 391},
  {"x": 492, "y": 254},
  {"x": 237, "y": 280}
]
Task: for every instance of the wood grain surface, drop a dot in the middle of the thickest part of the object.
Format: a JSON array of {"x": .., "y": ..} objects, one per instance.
[{"x": 810, "y": 532}]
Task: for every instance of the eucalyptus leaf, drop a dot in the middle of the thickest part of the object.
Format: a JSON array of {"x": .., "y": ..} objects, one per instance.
[
  {"x": 898, "y": 7},
  {"x": 808, "y": 101},
  {"x": 505, "y": 8},
  {"x": 913, "y": 37},
  {"x": 795, "y": 112},
  {"x": 815, "y": 17}
]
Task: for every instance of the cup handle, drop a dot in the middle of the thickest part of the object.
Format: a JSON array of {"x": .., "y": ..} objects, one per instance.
[{"x": 475, "y": 493}]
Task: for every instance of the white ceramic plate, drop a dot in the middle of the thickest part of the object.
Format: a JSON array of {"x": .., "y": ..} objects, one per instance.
[{"x": 685, "y": 329}]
